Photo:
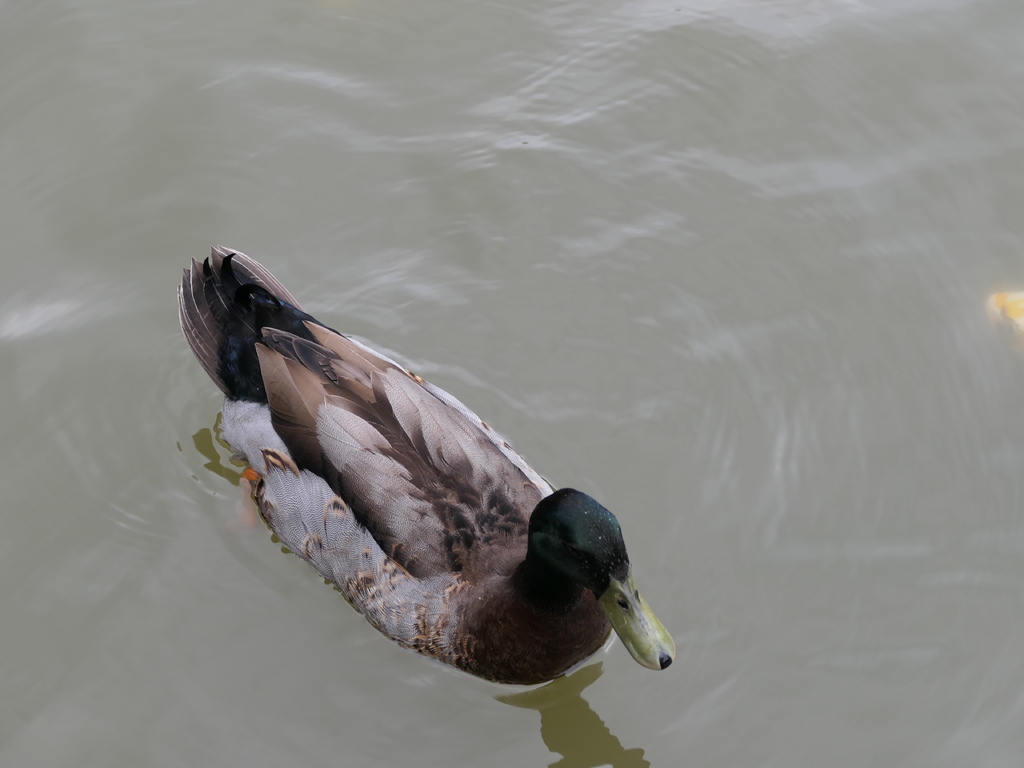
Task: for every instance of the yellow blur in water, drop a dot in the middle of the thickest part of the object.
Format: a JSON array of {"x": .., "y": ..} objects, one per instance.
[{"x": 1006, "y": 311}]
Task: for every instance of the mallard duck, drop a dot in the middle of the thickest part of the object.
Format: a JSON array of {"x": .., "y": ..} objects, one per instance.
[{"x": 423, "y": 516}]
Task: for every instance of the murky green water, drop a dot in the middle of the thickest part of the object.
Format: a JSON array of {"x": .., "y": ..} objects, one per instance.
[{"x": 721, "y": 264}]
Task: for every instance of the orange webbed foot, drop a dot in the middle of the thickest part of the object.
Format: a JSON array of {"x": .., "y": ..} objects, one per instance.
[{"x": 247, "y": 515}]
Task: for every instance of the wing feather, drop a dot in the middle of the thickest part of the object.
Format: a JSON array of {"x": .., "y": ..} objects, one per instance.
[{"x": 431, "y": 482}]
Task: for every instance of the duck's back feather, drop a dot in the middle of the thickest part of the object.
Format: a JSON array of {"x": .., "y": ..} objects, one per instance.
[{"x": 436, "y": 488}]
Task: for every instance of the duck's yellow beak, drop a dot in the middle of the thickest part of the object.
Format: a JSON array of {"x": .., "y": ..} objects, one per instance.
[{"x": 636, "y": 625}]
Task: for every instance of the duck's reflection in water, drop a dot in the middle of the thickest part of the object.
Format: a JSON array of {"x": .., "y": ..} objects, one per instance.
[
  {"x": 569, "y": 726},
  {"x": 206, "y": 441}
]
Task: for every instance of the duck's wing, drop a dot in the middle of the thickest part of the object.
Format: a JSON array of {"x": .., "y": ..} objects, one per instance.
[
  {"x": 423, "y": 613},
  {"x": 438, "y": 489}
]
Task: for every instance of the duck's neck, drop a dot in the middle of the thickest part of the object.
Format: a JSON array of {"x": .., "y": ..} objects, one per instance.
[{"x": 545, "y": 587}]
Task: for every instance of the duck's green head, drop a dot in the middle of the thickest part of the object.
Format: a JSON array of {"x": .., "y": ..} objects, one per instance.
[{"x": 576, "y": 541}]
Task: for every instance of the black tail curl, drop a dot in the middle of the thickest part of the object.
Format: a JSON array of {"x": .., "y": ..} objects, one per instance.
[{"x": 225, "y": 303}]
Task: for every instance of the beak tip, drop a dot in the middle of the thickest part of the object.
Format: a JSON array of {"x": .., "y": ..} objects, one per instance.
[{"x": 664, "y": 659}]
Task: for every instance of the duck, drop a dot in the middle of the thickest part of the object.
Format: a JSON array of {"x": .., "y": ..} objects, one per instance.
[{"x": 425, "y": 519}]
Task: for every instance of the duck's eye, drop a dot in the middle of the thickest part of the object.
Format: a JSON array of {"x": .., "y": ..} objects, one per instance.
[
  {"x": 572, "y": 549},
  {"x": 623, "y": 604}
]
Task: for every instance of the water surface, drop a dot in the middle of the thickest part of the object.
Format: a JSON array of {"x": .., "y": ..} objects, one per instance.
[{"x": 721, "y": 264}]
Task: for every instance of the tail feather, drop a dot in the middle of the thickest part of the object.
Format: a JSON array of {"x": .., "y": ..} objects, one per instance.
[
  {"x": 223, "y": 305},
  {"x": 197, "y": 321},
  {"x": 248, "y": 271}
]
